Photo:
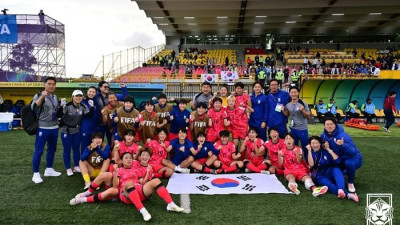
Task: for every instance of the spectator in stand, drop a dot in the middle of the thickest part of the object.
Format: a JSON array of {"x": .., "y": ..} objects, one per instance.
[
  {"x": 257, "y": 60},
  {"x": 318, "y": 55},
  {"x": 322, "y": 110},
  {"x": 272, "y": 63},
  {"x": 305, "y": 61},
  {"x": 351, "y": 110},
  {"x": 368, "y": 108},
  {"x": 354, "y": 53},
  {"x": 389, "y": 107},
  {"x": 248, "y": 61},
  {"x": 261, "y": 61},
  {"x": 286, "y": 75}
]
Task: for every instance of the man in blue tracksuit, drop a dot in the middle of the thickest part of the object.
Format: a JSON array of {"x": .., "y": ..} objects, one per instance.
[
  {"x": 259, "y": 117},
  {"x": 46, "y": 106},
  {"x": 102, "y": 101},
  {"x": 342, "y": 144},
  {"x": 89, "y": 123},
  {"x": 277, "y": 99},
  {"x": 368, "y": 108}
]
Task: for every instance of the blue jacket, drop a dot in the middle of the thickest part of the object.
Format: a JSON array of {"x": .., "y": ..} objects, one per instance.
[
  {"x": 203, "y": 153},
  {"x": 323, "y": 161},
  {"x": 89, "y": 124},
  {"x": 177, "y": 155},
  {"x": 179, "y": 119},
  {"x": 348, "y": 150},
  {"x": 260, "y": 106},
  {"x": 277, "y": 119},
  {"x": 105, "y": 154}
]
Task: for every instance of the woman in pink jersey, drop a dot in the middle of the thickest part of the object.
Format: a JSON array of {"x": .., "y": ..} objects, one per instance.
[
  {"x": 255, "y": 152},
  {"x": 273, "y": 146},
  {"x": 218, "y": 120},
  {"x": 159, "y": 154},
  {"x": 228, "y": 160}
]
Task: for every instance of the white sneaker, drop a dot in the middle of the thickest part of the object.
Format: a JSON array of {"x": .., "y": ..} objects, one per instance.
[
  {"x": 69, "y": 172},
  {"x": 174, "y": 208},
  {"x": 146, "y": 215},
  {"x": 247, "y": 171},
  {"x": 50, "y": 172},
  {"x": 351, "y": 187},
  {"x": 185, "y": 170},
  {"x": 36, "y": 178},
  {"x": 76, "y": 201},
  {"x": 82, "y": 195},
  {"x": 87, "y": 185},
  {"x": 77, "y": 169},
  {"x": 386, "y": 130},
  {"x": 265, "y": 172}
]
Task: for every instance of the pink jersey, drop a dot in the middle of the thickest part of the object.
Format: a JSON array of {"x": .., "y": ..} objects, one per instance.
[
  {"x": 159, "y": 152},
  {"x": 237, "y": 118},
  {"x": 290, "y": 161},
  {"x": 251, "y": 151},
  {"x": 133, "y": 148},
  {"x": 126, "y": 175},
  {"x": 273, "y": 150},
  {"x": 141, "y": 170},
  {"x": 242, "y": 100},
  {"x": 217, "y": 119},
  {"x": 225, "y": 153}
]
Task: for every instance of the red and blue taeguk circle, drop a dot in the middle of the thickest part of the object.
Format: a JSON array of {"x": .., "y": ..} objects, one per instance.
[
  {"x": 209, "y": 78},
  {"x": 229, "y": 74},
  {"x": 224, "y": 183}
]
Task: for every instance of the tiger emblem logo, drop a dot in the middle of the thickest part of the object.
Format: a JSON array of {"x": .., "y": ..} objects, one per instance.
[{"x": 379, "y": 212}]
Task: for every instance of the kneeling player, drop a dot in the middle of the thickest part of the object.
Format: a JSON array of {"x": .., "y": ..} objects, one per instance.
[
  {"x": 292, "y": 159},
  {"x": 94, "y": 159},
  {"x": 228, "y": 160},
  {"x": 273, "y": 145},
  {"x": 159, "y": 153},
  {"x": 205, "y": 154},
  {"x": 120, "y": 147},
  {"x": 255, "y": 152},
  {"x": 134, "y": 188},
  {"x": 181, "y": 148}
]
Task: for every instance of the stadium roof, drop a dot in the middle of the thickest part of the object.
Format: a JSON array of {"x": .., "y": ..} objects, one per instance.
[{"x": 255, "y": 17}]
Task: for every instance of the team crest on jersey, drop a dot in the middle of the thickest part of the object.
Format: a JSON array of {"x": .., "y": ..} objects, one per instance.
[{"x": 379, "y": 210}]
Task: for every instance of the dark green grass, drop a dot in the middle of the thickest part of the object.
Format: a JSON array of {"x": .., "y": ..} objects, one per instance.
[{"x": 23, "y": 202}]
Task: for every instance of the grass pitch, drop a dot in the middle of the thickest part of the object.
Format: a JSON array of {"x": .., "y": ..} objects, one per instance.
[{"x": 23, "y": 202}]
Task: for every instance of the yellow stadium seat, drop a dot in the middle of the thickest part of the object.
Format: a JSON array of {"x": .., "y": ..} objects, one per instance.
[{"x": 314, "y": 112}]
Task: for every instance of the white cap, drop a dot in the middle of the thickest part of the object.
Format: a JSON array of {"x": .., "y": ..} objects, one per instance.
[{"x": 77, "y": 92}]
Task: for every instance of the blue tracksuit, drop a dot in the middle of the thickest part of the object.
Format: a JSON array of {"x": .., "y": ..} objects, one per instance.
[
  {"x": 260, "y": 114},
  {"x": 178, "y": 156},
  {"x": 203, "y": 153},
  {"x": 179, "y": 119},
  {"x": 351, "y": 158},
  {"x": 277, "y": 119},
  {"x": 89, "y": 125}
]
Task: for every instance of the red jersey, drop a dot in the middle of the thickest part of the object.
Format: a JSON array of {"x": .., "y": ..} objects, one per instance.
[
  {"x": 389, "y": 104},
  {"x": 237, "y": 118},
  {"x": 273, "y": 151},
  {"x": 159, "y": 152},
  {"x": 242, "y": 100},
  {"x": 133, "y": 148},
  {"x": 217, "y": 119},
  {"x": 126, "y": 175},
  {"x": 290, "y": 161},
  {"x": 225, "y": 153},
  {"x": 141, "y": 170},
  {"x": 251, "y": 151}
]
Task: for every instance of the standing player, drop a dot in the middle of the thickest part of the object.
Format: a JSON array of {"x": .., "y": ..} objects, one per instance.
[
  {"x": 181, "y": 149},
  {"x": 217, "y": 120},
  {"x": 259, "y": 117},
  {"x": 198, "y": 121},
  {"x": 45, "y": 105},
  {"x": 228, "y": 160},
  {"x": 179, "y": 118},
  {"x": 292, "y": 159},
  {"x": 273, "y": 146},
  {"x": 89, "y": 123},
  {"x": 107, "y": 115},
  {"x": 138, "y": 185},
  {"x": 159, "y": 154},
  {"x": 237, "y": 120},
  {"x": 95, "y": 159},
  {"x": 255, "y": 153},
  {"x": 125, "y": 118},
  {"x": 148, "y": 120},
  {"x": 163, "y": 109},
  {"x": 242, "y": 99},
  {"x": 205, "y": 154}
]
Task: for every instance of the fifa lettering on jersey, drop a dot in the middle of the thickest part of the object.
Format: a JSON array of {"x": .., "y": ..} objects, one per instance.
[
  {"x": 149, "y": 123},
  {"x": 97, "y": 159},
  {"x": 200, "y": 124},
  {"x": 127, "y": 120}
]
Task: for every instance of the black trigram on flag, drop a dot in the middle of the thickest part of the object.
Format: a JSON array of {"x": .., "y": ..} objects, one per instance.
[
  {"x": 244, "y": 178},
  {"x": 202, "y": 178},
  {"x": 249, "y": 187},
  {"x": 203, "y": 187}
]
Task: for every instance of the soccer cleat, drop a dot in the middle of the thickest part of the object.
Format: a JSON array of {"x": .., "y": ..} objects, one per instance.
[
  {"x": 353, "y": 196},
  {"x": 174, "y": 208},
  {"x": 319, "y": 191},
  {"x": 293, "y": 188},
  {"x": 247, "y": 171},
  {"x": 50, "y": 172},
  {"x": 265, "y": 172},
  {"x": 76, "y": 201},
  {"x": 341, "y": 194},
  {"x": 36, "y": 178},
  {"x": 82, "y": 194},
  {"x": 146, "y": 215},
  {"x": 351, "y": 187},
  {"x": 77, "y": 169},
  {"x": 69, "y": 172},
  {"x": 87, "y": 185}
]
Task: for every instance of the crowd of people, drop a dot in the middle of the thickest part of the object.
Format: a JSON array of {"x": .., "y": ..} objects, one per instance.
[{"x": 223, "y": 133}]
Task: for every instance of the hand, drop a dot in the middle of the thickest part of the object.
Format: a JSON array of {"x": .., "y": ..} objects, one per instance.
[
  {"x": 153, "y": 98},
  {"x": 116, "y": 119},
  {"x": 326, "y": 145},
  {"x": 115, "y": 166},
  {"x": 245, "y": 92},
  {"x": 263, "y": 125},
  {"x": 142, "y": 123},
  {"x": 149, "y": 140},
  {"x": 103, "y": 112},
  {"x": 122, "y": 85},
  {"x": 187, "y": 120},
  {"x": 136, "y": 119},
  {"x": 219, "y": 147},
  {"x": 282, "y": 108},
  {"x": 241, "y": 104},
  {"x": 238, "y": 155},
  {"x": 200, "y": 146},
  {"x": 149, "y": 168},
  {"x": 280, "y": 153},
  {"x": 227, "y": 123},
  {"x": 182, "y": 149},
  {"x": 162, "y": 145},
  {"x": 232, "y": 93},
  {"x": 340, "y": 142},
  {"x": 171, "y": 117},
  {"x": 210, "y": 123},
  {"x": 215, "y": 94},
  {"x": 116, "y": 145},
  {"x": 172, "y": 99},
  {"x": 301, "y": 108},
  {"x": 165, "y": 121},
  {"x": 44, "y": 94},
  {"x": 93, "y": 145},
  {"x": 246, "y": 138},
  {"x": 308, "y": 147}
]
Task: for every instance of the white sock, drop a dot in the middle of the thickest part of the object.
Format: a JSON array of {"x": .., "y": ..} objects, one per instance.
[
  {"x": 87, "y": 193},
  {"x": 178, "y": 168},
  {"x": 308, "y": 183},
  {"x": 84, "y": 199},
  {"x": 36, "y": 174},
  {"x": 143, "y": 210}
]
